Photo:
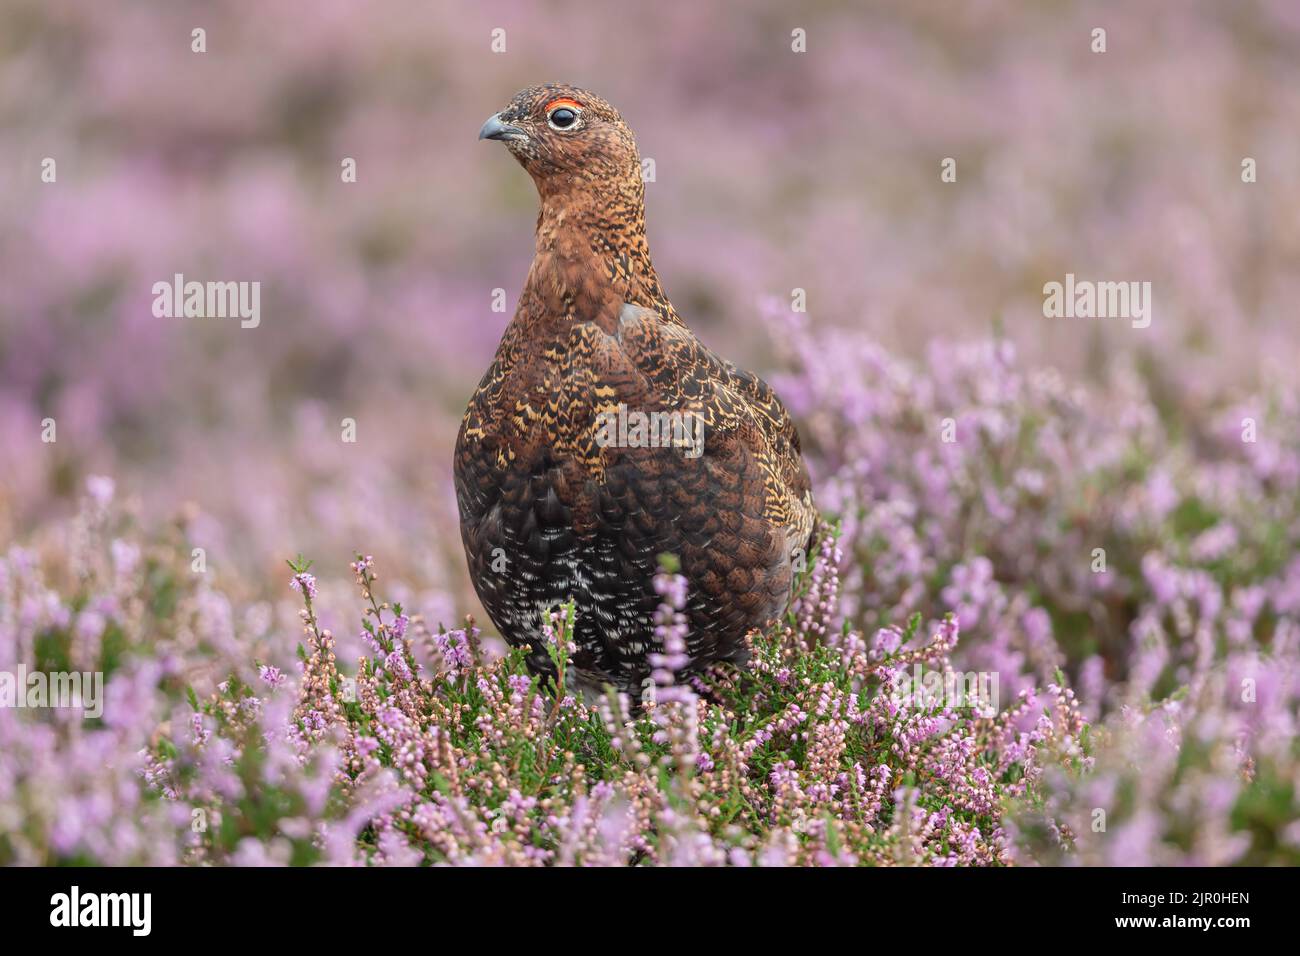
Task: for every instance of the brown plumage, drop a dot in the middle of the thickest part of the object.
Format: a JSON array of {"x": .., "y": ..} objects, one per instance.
[{"x": 549, "y": 508}]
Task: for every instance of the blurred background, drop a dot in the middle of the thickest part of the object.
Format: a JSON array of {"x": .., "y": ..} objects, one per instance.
[{"x": 774, "y": 170}]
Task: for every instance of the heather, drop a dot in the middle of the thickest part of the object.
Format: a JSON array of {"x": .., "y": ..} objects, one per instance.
[
  {"x": 1105, "y": 518},
  {"x": 1160, "y": 691}
]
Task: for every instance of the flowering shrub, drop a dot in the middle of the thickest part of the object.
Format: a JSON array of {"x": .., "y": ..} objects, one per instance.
[
  {"x": 811, "y": 757},
  {"x": 1120, "y": 527},
  {"x": 1136, "y": 535},
  {"x": 1148, "y": 702}
]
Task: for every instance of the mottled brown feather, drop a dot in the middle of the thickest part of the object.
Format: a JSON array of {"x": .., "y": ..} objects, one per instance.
[{"x": 547, "y": 514}]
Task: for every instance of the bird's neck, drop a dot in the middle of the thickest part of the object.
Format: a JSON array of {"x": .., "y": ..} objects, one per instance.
[{"x": 592, "y": 255}]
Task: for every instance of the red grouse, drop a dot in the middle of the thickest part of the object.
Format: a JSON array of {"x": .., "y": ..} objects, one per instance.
[{"x": 605, "y": 434}]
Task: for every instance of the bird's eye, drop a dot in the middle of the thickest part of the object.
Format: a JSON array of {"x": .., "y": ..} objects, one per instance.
[{"x": 562, "y": 115}]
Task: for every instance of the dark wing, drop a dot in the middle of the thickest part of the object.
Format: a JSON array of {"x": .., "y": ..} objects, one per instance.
[{"x": 737, "y": 405}]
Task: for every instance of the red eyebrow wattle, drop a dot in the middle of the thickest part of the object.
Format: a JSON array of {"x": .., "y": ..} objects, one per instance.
[{"x": 563, "y": 101}]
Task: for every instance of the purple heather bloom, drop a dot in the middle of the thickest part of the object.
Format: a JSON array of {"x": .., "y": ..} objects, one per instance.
[{"x": 304, "y": 583}]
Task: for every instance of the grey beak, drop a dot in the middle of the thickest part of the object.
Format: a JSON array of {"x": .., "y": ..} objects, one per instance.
[{"x": 495, "y": 129}]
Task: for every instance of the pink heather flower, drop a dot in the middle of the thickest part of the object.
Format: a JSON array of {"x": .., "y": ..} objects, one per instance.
[
  {"x": 886, "y": 641},
  {"x": 100, "y": 488},
  {"x": 371, "y": 641},
  {"x": 271, "y": 676},
  {"x": 396, "y": 663},
  {"x": 304, "y": 583},
  {"x": 518, "y": 683},
  {"x": 455, "y": 650},
  {"x": 671, "y": 629},
  {"x": 672, "y": 588},
  {"x": 1214, "y": 543},
  {"x": 126, "y": 556},
  {"x": 199, "y": 730},
  {"x": 552, "y": 628}
]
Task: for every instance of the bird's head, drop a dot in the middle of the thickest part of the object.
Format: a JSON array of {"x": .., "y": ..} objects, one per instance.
[{"x": 565, "y": 137}]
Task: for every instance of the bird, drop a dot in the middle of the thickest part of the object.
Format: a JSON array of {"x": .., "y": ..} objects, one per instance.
[{"x": 604, "y": 434}]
